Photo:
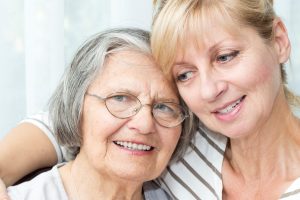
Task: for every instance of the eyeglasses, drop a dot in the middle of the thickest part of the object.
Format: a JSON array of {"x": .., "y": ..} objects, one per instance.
[{"x": 124, "y": 105}]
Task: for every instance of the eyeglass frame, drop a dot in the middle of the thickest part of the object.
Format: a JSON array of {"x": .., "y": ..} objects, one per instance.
[{"x": 184, "y": 112}]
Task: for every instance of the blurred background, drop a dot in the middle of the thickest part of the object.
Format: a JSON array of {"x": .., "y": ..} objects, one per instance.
[{"x": 39, "y": 37}]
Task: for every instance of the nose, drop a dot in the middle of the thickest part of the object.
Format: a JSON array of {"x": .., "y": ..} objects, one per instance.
[
  {"x": 211, "y": 86},
  {"x": 143, "y": 122}
]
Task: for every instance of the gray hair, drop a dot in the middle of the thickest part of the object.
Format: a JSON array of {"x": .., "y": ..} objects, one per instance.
[{"x": 65, "y": 106}]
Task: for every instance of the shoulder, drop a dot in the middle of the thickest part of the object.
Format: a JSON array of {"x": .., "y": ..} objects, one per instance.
[
  {"x": 46, "y": 186},
  {"x": 39, "y": 119},
  {"x": 42, "y": 121},
  {"x": 152, "y": 191}
]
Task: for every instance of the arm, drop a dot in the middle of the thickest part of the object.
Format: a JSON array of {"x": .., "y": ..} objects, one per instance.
[{"x": 24, "y": 149}]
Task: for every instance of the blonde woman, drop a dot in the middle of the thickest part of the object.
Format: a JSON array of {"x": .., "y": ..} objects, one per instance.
[{"x": 227, "y": 59}]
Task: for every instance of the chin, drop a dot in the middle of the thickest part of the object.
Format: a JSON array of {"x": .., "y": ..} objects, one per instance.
[
  {"x": 238, "y": 132},
  {"x": 135, "y": 174},
  {"x": 235, "y": 135},
  {"x": 136, "y": 177},
  {"x": 232, "y": 131}
]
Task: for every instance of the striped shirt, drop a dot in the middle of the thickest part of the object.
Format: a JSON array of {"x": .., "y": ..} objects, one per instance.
[{"x": 196, "y": 176}]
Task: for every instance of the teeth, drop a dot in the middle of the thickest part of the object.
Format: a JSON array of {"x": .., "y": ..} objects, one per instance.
[
  {"x": 229, "y": 108},
  {"x": 134, "y": 146}
]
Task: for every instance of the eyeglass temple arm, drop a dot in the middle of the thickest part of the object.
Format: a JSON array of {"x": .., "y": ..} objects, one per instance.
[{"x": 94, "y": 95}]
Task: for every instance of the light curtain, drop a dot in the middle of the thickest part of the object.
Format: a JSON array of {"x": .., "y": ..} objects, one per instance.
[
  {"x": 38, "y": 38},
  {"x": 44, "y": 50}
]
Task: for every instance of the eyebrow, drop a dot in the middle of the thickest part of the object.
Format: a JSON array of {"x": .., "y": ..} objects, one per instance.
[
  {"x": 164, "y": 99},
  {"x": 210, "y": 50},
  {"x": 181, "y": 64},
  {"x": 156, "y": 98},
  {"x": 219, "y": 43},
  {"x": 123, "y": 90}
]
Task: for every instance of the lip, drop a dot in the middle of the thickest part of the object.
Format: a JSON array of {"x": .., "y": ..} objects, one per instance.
[
  {"x": 232, "y": 114},
  {"x": 229, "y": 103},
  {"x": 134, "y": 146}
]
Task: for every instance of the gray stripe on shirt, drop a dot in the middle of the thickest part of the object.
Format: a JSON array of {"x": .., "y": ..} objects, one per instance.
[
  {"x": 214, "y": 145},
  {"x": 288, "y": 194},
  {"x": 182, "y": 183},
  {"x": 199, "y": 177},
  {"x": 209, "y": 164}
]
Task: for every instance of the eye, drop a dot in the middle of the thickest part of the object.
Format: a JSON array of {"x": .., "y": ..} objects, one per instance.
[
  {"x": 164, "y": 108},
  {"x": 224, "y": 58},
  {"x": 121, "y": 101},
  {"x": 184, "y": 76},
  {"x": 119, "y": 97},
  {"x": 122, "y": 98}
]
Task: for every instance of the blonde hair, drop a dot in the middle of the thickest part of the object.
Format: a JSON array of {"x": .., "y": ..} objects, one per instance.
[{"x": 176, "y": 20}]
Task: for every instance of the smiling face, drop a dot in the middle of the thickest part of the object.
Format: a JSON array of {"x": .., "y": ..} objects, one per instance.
[
  {"x": 136, "y": 148},
  {"x": 231, "y": 81}
]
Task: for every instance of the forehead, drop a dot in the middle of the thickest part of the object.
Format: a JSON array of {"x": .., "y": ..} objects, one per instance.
[
  {"x": 216, "y": 34},
  {"x": 209, "y": 27},
  {"x": 133, "y": 72}
]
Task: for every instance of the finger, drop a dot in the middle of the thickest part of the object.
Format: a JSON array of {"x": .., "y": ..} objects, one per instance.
[{"x": 3, "y": 194}]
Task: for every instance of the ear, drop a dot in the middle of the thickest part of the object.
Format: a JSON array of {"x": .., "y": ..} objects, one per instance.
[{"x": 281, "y": 41}]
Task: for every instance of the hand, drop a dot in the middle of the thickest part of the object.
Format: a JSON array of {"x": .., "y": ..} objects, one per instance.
[{"x": 3, "y": 194}]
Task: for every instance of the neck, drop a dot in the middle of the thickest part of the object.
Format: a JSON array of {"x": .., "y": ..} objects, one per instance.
[
  {"x": 82, "y": 181},
  {"x": 271, "y": 151}
]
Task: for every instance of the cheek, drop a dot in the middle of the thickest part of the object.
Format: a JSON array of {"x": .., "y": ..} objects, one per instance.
[
  {"x": 191, "y": 96},
  {"x": 261, "y": 82},
  {"x": 264, "y": 77},
  {"x": 98, "y": 126},
  {"x": 262, "y": 70},
  {"x": 169, "y": 139}
]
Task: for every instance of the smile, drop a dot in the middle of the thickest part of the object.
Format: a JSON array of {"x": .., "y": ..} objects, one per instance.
[
  {"x": 231, "y": 107},
  {"x": 133, "y": 146}
]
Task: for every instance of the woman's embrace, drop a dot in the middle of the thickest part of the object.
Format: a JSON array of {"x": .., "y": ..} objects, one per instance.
[{"x": 227, "y": 59}]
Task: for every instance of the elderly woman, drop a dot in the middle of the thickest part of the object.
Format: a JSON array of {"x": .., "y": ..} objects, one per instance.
[
  {"x": 227, "y": 58},
  {"x": 117, "y": 113}
]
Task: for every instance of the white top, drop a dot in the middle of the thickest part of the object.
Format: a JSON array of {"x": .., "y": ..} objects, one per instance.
[
  {"x": 46, "y": 186},
  {"x": 196, "y": 176},
  {"x": 49, "y": 186}
]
